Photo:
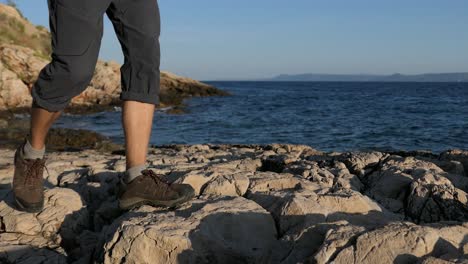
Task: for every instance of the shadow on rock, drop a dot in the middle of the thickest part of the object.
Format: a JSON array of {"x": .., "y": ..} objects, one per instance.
[
  {"x": 98, "y": 194},
  {"x": 22, "y": 253},
  {"x": 443, "y": 250},
  {"x": 229, "y": 238}
]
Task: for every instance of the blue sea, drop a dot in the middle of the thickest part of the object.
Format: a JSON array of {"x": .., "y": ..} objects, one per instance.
[{"x": 329, "y": 116}]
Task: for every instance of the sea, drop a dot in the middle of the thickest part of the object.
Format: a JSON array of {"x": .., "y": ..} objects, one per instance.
[{"x": 329, "y": 116}]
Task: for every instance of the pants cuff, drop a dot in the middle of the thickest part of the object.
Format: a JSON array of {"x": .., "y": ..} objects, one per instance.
[
  {"x": 40, "y": 103},
  {"x": 140, "y": 97}
]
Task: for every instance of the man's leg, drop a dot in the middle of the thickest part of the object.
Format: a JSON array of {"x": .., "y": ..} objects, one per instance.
[
  {"x": 138, "y": 32},
  {"x": 137, "y": 120},
  {"x": 76, "y": 29},
  {"x": 137, "y": 26},
  {"x": 143, "y": 186},
  {"x": 41, "y": 121}
]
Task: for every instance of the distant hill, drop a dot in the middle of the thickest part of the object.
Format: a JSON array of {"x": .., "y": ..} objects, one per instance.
[{"x": 429, "y": 77}]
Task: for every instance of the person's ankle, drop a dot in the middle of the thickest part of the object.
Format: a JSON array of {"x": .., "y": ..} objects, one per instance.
[
  {"x": 29, "y": 152},
  {"x": 133, "y": 172}
]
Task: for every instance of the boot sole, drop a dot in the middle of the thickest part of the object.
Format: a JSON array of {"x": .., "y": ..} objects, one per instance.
[
  {"x": 136, "y": 202},
  {"x": 35, "y": 208}
]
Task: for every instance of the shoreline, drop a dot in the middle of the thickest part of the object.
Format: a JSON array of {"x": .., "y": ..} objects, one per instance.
[{"x": 13, "y": 128}]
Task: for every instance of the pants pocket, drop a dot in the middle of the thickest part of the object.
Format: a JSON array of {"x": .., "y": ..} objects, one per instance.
[{"x": 74, "y": 31}]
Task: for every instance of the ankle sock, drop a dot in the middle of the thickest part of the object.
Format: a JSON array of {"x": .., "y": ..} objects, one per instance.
[
  {"x": 134, "y": 172},
  {"x": 31, "y": 153}
]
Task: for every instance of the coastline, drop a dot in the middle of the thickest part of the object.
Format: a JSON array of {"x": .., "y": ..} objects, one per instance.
[{"x": 369, "y": 196}]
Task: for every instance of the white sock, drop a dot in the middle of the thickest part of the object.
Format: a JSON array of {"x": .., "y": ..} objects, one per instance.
[
  {"x": 134, "y": 172},
  {"x": 31, "y": 153}
]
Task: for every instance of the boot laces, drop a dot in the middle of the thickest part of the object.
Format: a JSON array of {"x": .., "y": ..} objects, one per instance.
[
  {"x": 157, "y": 179},
  {"x": 34, "y": 170},
  {"x": 160, "y": 182}
]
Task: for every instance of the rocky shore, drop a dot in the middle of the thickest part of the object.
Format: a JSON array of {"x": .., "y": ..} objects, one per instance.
[{"x": 255, "y": 204}]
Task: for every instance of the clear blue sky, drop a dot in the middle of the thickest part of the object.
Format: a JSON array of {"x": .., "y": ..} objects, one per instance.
[{"x": 227, "y": 39}]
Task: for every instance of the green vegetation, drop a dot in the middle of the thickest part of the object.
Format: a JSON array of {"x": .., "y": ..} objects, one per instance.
[
  {"x": 13, "y": 31},
  {"x": 41, "y": 28},
  {"x": 12, "y": 3}
]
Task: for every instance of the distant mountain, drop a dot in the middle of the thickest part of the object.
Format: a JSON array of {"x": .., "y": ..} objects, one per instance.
[{"x": 429, "y": 77}]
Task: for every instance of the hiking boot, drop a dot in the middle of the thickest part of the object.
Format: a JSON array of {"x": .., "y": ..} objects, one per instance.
[
  {"x": 28, "y": 182},
  {"x": 152, "y": 189}
]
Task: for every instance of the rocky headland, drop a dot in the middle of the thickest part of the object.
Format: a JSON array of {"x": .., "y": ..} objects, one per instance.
[{"x": 255, "y": 204}]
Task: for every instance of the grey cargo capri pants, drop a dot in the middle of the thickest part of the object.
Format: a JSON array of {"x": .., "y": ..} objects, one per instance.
[{"x": 77, "y": 29}]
